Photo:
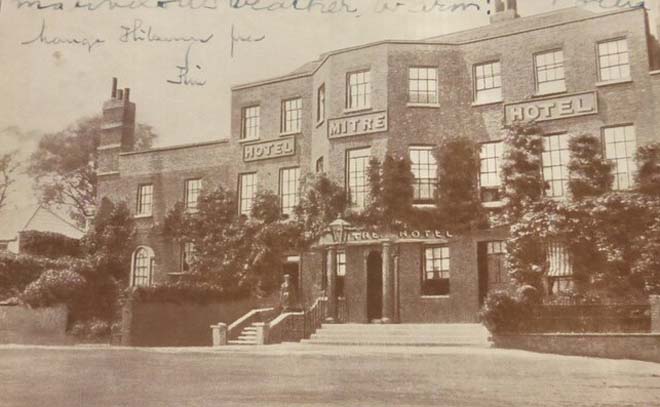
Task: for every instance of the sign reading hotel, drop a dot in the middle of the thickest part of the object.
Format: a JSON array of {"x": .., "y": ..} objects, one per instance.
[
  {"x": 551, "y": 109},
  {"x": 359, "y": 236},
  {"x": 269, "y": 149},
  {"x": 356, "y": 125}
]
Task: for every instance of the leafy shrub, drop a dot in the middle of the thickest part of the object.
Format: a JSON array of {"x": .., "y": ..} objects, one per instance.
[
  {"x": 49, "y": 244},
  {"x": 180, "y": 293},
  {"x": 53, "y": 287},
  {"x": 590, "y": 173},
  {"x": 503, "y": 313},
  {"x": 17, "y": 271},
  {"x": 94, "y": 329}
]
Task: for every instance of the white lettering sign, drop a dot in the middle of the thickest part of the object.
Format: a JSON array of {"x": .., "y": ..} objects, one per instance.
[
  {"x": 269, "y": 149},
  {"x": 355, "y": 125},
  {"x": 551, "y": 109}
]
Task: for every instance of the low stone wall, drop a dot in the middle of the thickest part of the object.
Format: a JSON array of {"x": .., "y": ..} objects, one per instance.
[
  {"x": 614, "y": 346},
  {"x": 169, "y": 324},
  {"x": 43, "y": 326}
]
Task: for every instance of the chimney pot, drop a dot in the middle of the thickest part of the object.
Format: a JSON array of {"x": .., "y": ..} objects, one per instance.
[
  {"x": 114, "y": 88},
  {"x": 127, "y": 93},
  {"x": 120, "y": 94}
]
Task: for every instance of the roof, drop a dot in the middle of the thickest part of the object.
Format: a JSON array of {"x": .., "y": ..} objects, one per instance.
[
  {"x": 34, "y": 217},
  {"x": 501, "y": 28},
  {"x": 532, "y": 22}
]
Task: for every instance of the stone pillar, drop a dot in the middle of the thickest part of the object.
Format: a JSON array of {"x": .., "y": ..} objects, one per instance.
[
  {"x": 397, "y": 316},
  {"x": 388, "y": 284},
  {"x": 654, "y": 300},
  {"x": 262, "y": 332},
  {"x": 219, "y": 334},
  {"x": 332, "y": 285}
]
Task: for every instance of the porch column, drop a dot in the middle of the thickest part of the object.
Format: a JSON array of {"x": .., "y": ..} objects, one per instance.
[
  {"x": 397, "y": 317},
  {"x": 388, "y": 284},
  {"x": 332, "y": 285}
]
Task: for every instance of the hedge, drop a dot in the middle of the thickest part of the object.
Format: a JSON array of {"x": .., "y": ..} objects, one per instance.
[
  {"x": 49, "y": 244},
  {"x": 181, "y": 293}
]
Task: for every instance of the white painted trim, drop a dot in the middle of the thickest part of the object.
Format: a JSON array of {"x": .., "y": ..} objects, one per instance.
[
  {"x": 108, "y": 147},
  {"x": 493, "y": 204},
  {"x": 433, "y": 297},
  {"x": 486, "y": 103},
  {"x": 247, "y": 140},
  {"x": 655, "y": 72},
  {"x": 615, "y": 82},
  {"x": 142, "y": 216},
  {"x": 152, "y": 256},
  {"x": 427, "y": 105},
  {"x": 107, "y": 173},
  {"x": 358, "y": 110}
]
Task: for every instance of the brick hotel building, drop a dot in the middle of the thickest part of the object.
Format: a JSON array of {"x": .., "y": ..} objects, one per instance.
[{"x": 571, "y": 70}]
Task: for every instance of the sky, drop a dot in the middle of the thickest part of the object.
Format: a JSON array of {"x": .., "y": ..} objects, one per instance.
[{"x": 47, "y": 84}]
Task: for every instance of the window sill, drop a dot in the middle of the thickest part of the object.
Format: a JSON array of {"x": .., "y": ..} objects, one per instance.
[
  {"x": 655, "y": 72},
  {"x": 291, "y": 133},
  {"x": 248, "y": 140},
  {"x": 143, "y": 216},
  {"x": 493, "y": 204},
  {"x": 433, "y": 297},
  {"x": 427, "y": 105},
  {"x": 357, "y": 110},
  {"x": 544, "y": 94},
  {"x": 177, "y": 274},
  {"x": 486, "y": 103},
  {"x": 190, "y": 210},
  {"x": 615, "y": 82},
  {"x": 423, "y": 206}
]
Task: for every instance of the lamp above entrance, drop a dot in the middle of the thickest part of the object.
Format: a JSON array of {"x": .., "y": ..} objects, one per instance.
[{"x": 339, "y": 229}]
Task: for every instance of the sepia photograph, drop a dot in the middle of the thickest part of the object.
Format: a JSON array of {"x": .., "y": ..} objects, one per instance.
[{"x": 359, "y": 203}]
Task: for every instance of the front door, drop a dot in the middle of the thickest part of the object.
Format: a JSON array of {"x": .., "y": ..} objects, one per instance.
[{"x": 374, "y": 286}]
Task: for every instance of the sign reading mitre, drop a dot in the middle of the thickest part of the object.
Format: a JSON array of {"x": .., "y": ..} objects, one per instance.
[
  {"x": 579, "y": 104},
  {"x": 356, "y": 125},
  {"x": 269, "y": 149}
]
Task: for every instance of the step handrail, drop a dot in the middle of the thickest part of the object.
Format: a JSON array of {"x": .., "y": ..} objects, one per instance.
[{"x": 254, "y": 315}]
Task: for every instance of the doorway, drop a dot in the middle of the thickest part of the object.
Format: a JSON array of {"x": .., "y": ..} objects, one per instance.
[{"x": 374, "y": 286}]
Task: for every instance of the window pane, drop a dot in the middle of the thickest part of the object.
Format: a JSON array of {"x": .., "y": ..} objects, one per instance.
[
  {"x": 250, "y": 122},
  {"x": 358, "y": 187},
  {"x": 425, "y": 169},
  {"x": 358, "y": 90},
  {"x": 422, "y": 85},
  {"x": 488, "y": 82},
  {"x": 614, "y": 60},
  {"x": 247, "y": 192},
  {"x": 555, "y": 164},
  {"x": 289, "y": 186},
  {"x": 620, "y": 147}
]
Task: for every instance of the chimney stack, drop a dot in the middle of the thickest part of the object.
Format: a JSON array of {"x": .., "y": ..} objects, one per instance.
[
  {"x": 117, "y": 129},
  {"x": 503, "y": 10}
]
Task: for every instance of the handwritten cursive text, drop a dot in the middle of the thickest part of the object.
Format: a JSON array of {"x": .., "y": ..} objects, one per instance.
[
  {"x": 184, "y": 77},
  {"x": 44, "y": 39}
]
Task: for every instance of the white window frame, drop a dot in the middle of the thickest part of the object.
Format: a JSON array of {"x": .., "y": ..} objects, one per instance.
[
  {"x": 142, "y": 272},
  {"x": 320, "y": 103},
  {"x": 250, "y": 122},
  {"x": 247, "y": 187},
  {"x": 620, "y": 147},
  {"x": 192, "y": 187},
  {"x": 292, "y": 112},
  {"x": 357, "y": 178},
  {"x": 289, "y": 187},
  {"x": 490, "y": 162},
  {"x": 613, "y": 58},
  {"x": 423, "y": 85},
  {"x": 555, "y": 158},
  {"x": 487, "y": 88},
  {"x": 358, "y": 90},
  {"x": 145, "y": 200},
  {"x": 188, "y": 252},
  {"x": 549, "y": 72},
  {"x": 425, "y": 170}
]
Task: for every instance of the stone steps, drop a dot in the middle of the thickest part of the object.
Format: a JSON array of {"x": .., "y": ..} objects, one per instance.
[
  {"x": 248, "y": 336},
  {"x": 401, "y": 335}
]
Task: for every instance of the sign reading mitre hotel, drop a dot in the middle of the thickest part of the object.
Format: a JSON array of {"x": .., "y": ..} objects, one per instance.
[
  {"x": 579, "y": 104},
  {"x": 269, "y": 149},
  {"x": 355, "y": 125}
]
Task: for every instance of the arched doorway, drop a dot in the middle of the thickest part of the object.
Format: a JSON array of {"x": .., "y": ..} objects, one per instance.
[{"x": 374, "y": 286}]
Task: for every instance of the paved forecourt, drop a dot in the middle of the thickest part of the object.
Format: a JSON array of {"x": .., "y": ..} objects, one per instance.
[{"x": 295, "y": 374}]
